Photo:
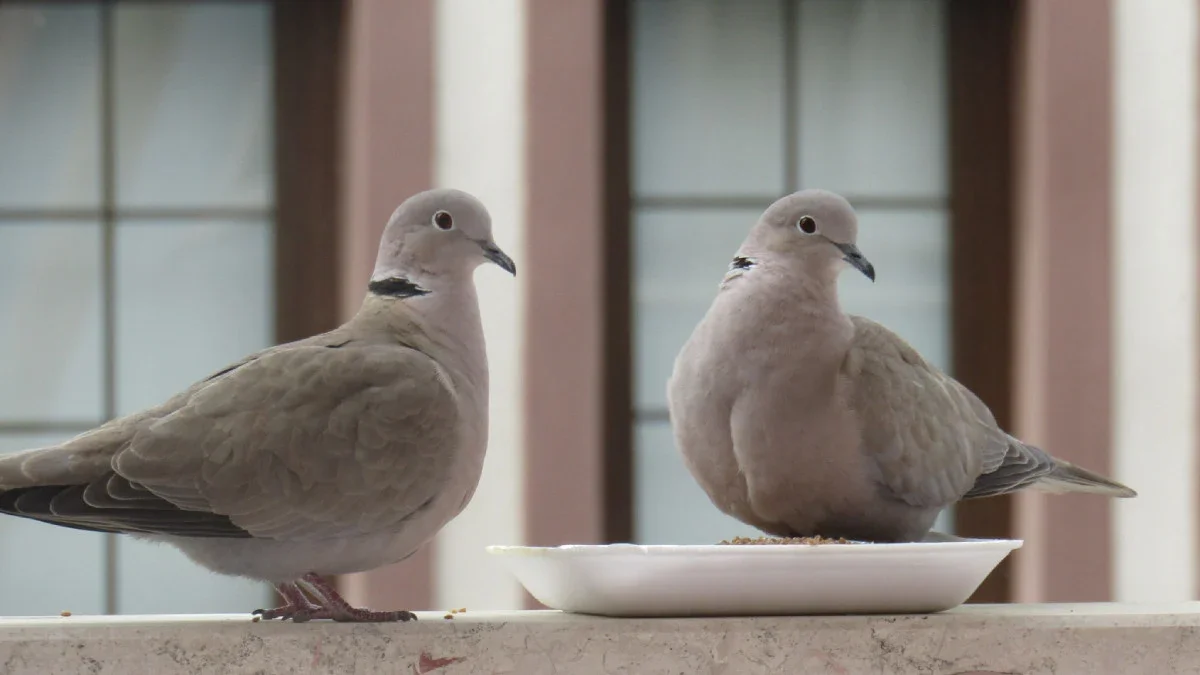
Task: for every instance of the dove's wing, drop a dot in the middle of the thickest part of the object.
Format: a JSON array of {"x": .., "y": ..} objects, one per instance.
[
  {"x": 301, "y": 442},
  {"x": 1020, "y": 467},
  {"x": 88, "y": 456},
  {"x": 930, "y": 438}
]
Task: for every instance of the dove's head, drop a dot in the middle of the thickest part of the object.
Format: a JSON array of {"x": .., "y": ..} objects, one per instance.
[
  {"x": 814, "y": 228},
  {"x": 433, "y": 235}
]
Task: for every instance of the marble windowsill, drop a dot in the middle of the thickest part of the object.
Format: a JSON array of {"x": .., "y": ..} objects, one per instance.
[{"x": 1089, "y": 639}]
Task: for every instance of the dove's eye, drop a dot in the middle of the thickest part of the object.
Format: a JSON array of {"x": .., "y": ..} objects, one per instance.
[
  {"x": 806, "y": 225},
  {"x": 443, "y": 221}
]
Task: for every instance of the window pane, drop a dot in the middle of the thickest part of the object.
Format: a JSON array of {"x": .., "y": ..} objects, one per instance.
[
  {"x": 191, "y": 298},
  {"x": 707, "y": 98},
  {"x": 193, "y": 94},
  {"x": 49, "y": 106},
  {"x": 680, "y": 257},
  {"x": 911, "y": 296},
  {"x": 671, "y": 507},
  {"x": 46, "y": 569},
  {"x": 872, "y": 97},
  {"x": 50, "y": 301},
  {"x": 945, "y": 521},
  {"x": 156, "y": 578}
]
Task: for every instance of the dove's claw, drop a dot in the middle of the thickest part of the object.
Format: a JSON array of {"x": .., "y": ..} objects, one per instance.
[
  {"x": 331, "y": 605},
  {"x": 296, "y": 607},
  {"x": 334, "y": 607}
]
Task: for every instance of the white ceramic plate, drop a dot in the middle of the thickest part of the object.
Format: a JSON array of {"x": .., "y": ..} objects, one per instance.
[{"x": 724, "y": 580}]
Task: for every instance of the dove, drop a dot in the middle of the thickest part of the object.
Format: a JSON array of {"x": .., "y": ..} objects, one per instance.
[
  {"x": 334, "y": 454},
  {"x": 801, "y": 420}
]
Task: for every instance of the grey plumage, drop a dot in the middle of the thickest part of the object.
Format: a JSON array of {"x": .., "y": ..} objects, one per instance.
[
  {"x": 801, "y": 420},
  {"x": 330, "y": 455}
]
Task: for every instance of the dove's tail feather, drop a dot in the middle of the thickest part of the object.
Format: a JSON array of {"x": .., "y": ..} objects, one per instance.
[{"x": 1067, "y": 477}]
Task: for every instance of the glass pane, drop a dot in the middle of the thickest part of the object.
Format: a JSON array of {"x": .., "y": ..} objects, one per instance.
[
  {"x": 191, "y": 298},
  {"x": 49, "y": 106},
  {"x": 193, "y": 92},
  {"x": 46, "y": 569},
  {"x": 680, "y": 257},
  {"x": 156, "y": 578},
  {"x": 911, "y": 296},
  {"x": 872, "y": 97},
  {"x": 51, "y": 301},
  {"x": 670, "y": 506},
  {"x": 707, "y": 101},
  {"x": 945, "y": 521}
]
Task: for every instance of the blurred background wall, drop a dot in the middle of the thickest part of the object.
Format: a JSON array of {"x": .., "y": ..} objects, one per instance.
[{"x": 185, "y": 181}]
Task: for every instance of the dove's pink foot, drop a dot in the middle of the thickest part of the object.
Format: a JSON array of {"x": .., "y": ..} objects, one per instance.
[
  {"x": 296, "y": 607},
  {"x": 334, "y": 607}
]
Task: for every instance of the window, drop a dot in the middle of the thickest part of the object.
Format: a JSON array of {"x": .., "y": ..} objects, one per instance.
[
  {"x": 136, "y": 246},
  {"x": 736, "y": 104}
]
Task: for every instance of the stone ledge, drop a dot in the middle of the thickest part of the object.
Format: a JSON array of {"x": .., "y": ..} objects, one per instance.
[{"x": 1092, "y": 639}]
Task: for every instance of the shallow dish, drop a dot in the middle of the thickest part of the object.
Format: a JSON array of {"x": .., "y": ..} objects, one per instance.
[{"x": 729, "y": 580}]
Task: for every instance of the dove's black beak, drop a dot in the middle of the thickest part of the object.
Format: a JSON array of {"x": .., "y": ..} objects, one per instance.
[
  {"x": 857, "y": 260},
  {"x": 493, "y": 253}
]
